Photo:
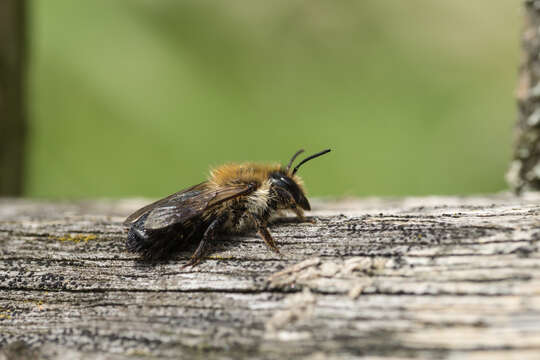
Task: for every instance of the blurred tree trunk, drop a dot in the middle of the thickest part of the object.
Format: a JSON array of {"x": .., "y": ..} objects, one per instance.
[
  {"x": 12, "y": 95},
  {"x": 524, "y": 172}
]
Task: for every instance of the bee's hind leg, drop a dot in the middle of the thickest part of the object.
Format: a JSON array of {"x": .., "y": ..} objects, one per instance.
[{"x": 209, "y": 234}]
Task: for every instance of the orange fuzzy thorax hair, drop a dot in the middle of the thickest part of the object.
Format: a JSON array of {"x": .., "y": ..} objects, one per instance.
[{"x": 230, "y": 174}]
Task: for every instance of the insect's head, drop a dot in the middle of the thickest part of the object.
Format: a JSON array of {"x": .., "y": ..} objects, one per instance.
[{"x": 285, "y": 181}]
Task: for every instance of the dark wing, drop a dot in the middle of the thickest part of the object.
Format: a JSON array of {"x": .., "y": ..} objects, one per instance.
[
  {"x": 137, "y": 214},
  {"x": 187, "y": 204}
]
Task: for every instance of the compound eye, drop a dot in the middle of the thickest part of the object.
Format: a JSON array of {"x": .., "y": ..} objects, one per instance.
[
  {"x": 292, "y": 188},
  {"x": 282, "y": 181}
]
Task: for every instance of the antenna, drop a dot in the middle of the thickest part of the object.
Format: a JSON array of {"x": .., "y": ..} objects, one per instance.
[
  {"x": 294, "y": 157},
  {"x": 309, "y": 158}
]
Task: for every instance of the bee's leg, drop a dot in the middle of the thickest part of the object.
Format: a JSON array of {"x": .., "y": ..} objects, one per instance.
[
  {"x": 300, "y": 215},
  {"x": 262, "y": 229},
  {"x": 287, "y": 198},
  {"x": 267, "y": 237},
  {"x": 209, "y": 234}
]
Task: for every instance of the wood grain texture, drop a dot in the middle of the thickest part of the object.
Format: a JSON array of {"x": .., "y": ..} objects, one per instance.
[
  {"x": 434, "y": 277},
  {"x": 524, "y": 171}
]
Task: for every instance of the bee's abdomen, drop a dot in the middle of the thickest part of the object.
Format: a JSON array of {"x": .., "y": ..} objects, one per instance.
[
  {"x": 161, "y": 243},
  {"x": 138, "y": 239}
]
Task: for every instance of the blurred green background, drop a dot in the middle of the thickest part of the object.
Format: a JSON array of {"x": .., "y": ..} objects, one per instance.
[{"x": 140, "y": 98}]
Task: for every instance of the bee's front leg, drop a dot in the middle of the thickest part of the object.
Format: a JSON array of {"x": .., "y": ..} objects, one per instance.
[
  {"x": 287, "y": 199},
  {"x": 300, "y": 215},
  {"x": 209, "y": 234}
]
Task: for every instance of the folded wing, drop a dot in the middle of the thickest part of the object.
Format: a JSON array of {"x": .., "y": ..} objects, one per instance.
[{"x": 183, "y": 206}]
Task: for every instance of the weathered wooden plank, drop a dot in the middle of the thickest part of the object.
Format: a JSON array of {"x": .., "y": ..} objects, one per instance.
[{"x": 443, "y": 277}]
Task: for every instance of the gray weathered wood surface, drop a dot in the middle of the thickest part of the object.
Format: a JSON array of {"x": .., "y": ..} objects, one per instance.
[{"x": 433, "y": 277}]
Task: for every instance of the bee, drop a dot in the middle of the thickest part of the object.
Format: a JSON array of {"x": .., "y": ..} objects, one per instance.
[{"x": 234, "y": 199}]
